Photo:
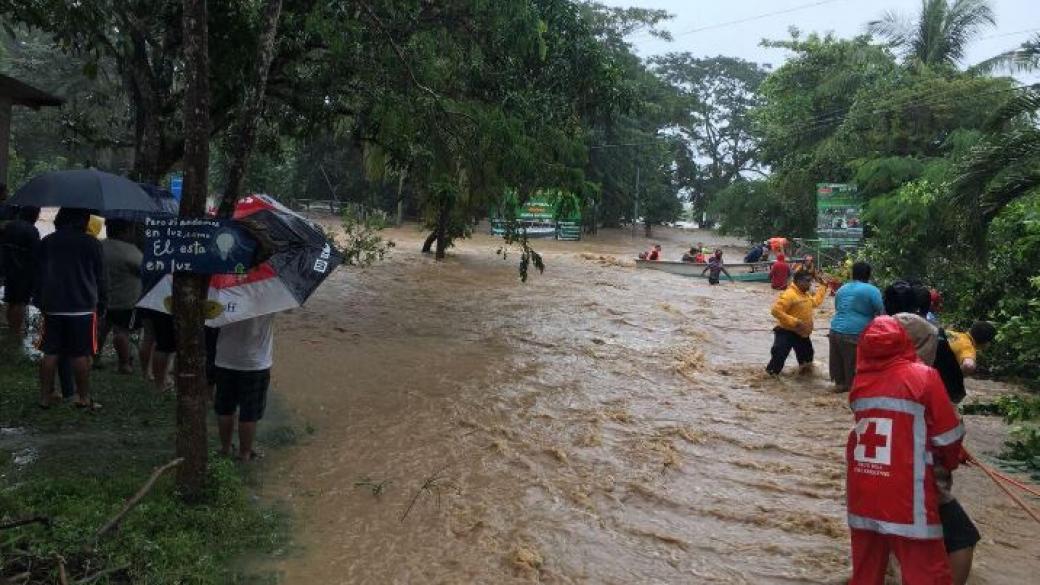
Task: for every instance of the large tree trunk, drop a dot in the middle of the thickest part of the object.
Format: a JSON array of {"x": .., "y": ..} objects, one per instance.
[
  {"x": 189, "y": 290},
  {"x": 427, "y": 246},
  {"x": 244, "y": 136}
]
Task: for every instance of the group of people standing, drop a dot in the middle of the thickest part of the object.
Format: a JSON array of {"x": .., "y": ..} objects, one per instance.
[
  {"x": 87, "y": 288},
  {"x": 904, "y": 374}
]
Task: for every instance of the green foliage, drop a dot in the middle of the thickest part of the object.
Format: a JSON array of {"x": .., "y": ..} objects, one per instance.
[
  {"x": 361, "y": 244},
  {"x": 748, "y": 209},
  {"x": 1012, "y": 407},
  {"x": 86, "y": 468},
  {"x": 1022, "y": 449}
]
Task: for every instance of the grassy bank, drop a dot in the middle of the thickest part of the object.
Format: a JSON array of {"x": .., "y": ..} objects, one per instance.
[{"x": 77, "y": 469}]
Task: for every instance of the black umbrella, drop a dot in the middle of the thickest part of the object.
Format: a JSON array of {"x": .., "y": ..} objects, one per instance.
[{"x": 85, "y": 189}]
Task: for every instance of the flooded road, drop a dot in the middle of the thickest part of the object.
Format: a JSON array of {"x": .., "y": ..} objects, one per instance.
[{"x": 600, "y": 424}]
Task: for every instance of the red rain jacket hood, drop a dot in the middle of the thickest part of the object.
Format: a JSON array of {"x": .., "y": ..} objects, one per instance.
[{"x": 905, "y": 423}]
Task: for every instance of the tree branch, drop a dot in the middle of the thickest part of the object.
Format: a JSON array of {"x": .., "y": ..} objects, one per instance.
[{"x": 136, "y": 499}]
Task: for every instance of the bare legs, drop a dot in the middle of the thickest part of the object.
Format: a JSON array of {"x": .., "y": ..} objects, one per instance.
[
  {"x": 80, "y": 370},
  {"x": 246, "y": 437},
  {"x": 160, "y": 368},
  {"x": 16, "y": 319},
  {"x": 121, "y": 341},
  {"x": 960, "y": 564}
]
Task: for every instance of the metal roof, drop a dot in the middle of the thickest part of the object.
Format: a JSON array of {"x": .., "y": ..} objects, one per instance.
[{"x": 23, "y": 94}]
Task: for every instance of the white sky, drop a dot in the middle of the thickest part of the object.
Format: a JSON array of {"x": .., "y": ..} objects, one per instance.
[{"x": 846, "y": 18}]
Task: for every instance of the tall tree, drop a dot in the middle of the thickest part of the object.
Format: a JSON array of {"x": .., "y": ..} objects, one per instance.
[
  {"x": 941, "y": 32},
  {"x": 189, "y": 290},
  {"x": 719, "y": 94},
  {"x": 244, "y": 133}
]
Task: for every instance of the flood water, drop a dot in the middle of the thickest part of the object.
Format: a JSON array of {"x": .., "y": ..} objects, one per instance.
[{"x": 600, "y": 424}]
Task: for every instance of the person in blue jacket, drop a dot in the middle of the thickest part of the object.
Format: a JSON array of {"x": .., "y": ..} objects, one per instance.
[{"x": 856, "y": 304}]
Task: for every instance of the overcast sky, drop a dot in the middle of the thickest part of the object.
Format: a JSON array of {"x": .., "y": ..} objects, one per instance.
[{"x": 1017, "y": 20}]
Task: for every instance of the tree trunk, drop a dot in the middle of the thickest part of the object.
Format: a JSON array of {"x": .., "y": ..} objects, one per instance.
[
  {"x": 427, "y": 246},
  {"x": 442, "y": 230},
  {"x": 648, "y": 229},
  {"x": 244, "y": 136},
  {"x": 400, "y": 198},
  {"x": 189, "y": 290},
  {"x": 147, "y": 121}
]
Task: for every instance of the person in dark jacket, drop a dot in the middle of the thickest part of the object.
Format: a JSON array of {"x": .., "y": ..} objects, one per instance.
[
  {"x": 71, "y": 294},
  {"x": 20, "y": 239}
]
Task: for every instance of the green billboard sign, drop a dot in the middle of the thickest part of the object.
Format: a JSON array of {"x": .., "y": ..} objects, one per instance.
[{"x": 839, "y": 212}]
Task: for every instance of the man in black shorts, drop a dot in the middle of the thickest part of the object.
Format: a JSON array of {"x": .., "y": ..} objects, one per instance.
[
  {"x": 20, "y": 239},
  {"x": 71, "y": 294},
  {"x": 243, "y": 373},
  {"x": 158, "y": 346},
  {"x": 123, "y": 269}
]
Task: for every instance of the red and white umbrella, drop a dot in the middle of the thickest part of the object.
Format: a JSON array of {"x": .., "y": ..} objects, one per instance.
[{"x": 302, "y": 259}]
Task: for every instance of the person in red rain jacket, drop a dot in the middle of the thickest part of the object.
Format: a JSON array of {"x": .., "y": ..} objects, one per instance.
[
  {"x": 905, "y": 424},
  {"x": 779, "y": 272}
]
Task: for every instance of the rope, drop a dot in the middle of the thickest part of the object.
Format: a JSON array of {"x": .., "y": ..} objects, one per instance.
[{"x": 999, "y": 480}]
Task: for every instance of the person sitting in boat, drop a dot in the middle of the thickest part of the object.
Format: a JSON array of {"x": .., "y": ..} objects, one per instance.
[
  {"x": 755, "y": 254},
  {"x": 715, "y": 266},
  {"x": 691, "y": 256},
  {"x": 653, "y": 254}
]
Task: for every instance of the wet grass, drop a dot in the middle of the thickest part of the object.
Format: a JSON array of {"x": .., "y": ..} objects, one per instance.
[{"x": 77, "y": 468}]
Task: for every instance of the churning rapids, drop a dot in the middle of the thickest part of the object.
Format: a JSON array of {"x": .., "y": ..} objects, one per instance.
[{"x": 600, "y": 424}]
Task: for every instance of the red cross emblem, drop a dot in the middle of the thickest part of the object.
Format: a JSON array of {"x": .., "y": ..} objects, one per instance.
[{"x": 874, "y": 441}]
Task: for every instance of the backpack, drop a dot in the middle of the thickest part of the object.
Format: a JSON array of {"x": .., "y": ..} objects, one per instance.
[{"x": 949, "y": 369}]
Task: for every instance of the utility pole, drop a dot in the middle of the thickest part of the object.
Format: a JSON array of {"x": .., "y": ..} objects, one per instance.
[{"x": 635, "y": 213}]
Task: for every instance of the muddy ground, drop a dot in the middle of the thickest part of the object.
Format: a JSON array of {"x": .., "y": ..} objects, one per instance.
[{"x": 599, "y": 424}]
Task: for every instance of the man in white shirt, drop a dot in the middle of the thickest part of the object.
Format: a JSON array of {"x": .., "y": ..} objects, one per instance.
[{"x": 243, "y": 373}]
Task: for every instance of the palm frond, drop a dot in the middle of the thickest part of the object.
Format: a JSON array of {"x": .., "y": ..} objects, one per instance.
[
  {"x": 1024, "y": 104},
  {"x": 993, "y": 163},
  {"x": 1008, "y": 188},
  {"x": 963, "y": 21},
  {"x": 894, "y": 28},
  {"x": 1024, "y": 58}
]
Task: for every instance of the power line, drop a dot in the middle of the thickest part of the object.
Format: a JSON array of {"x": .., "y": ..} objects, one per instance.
[
  {"x": 1008, "y": 34},
  {"x": 757, "y": 17}
]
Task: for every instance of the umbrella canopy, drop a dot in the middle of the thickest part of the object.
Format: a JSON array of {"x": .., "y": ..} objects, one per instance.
[
  {"x": 301, "y": 258},
  {"x": 163, "y": 199},
  {"x": 85, "y": 189}
]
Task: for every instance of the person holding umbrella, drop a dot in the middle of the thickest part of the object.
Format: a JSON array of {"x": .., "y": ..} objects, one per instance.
[
  {"x": 292, "y": 259},
  {"x": 19, "y": 241},
  {"x": 71, "y": 294}
]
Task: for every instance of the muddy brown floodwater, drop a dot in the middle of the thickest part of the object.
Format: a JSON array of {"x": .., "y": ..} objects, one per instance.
[{"x": 600, "y": 424}]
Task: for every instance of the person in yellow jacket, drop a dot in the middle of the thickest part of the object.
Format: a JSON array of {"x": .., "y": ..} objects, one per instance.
[{"x": 793, "y": 311}]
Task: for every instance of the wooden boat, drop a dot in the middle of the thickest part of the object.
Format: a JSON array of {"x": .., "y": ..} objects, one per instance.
[{"x": 741, "y": 271}]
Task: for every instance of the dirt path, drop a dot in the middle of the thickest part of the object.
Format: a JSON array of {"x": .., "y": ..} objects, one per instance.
[{"x": 601, "y": 424}]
